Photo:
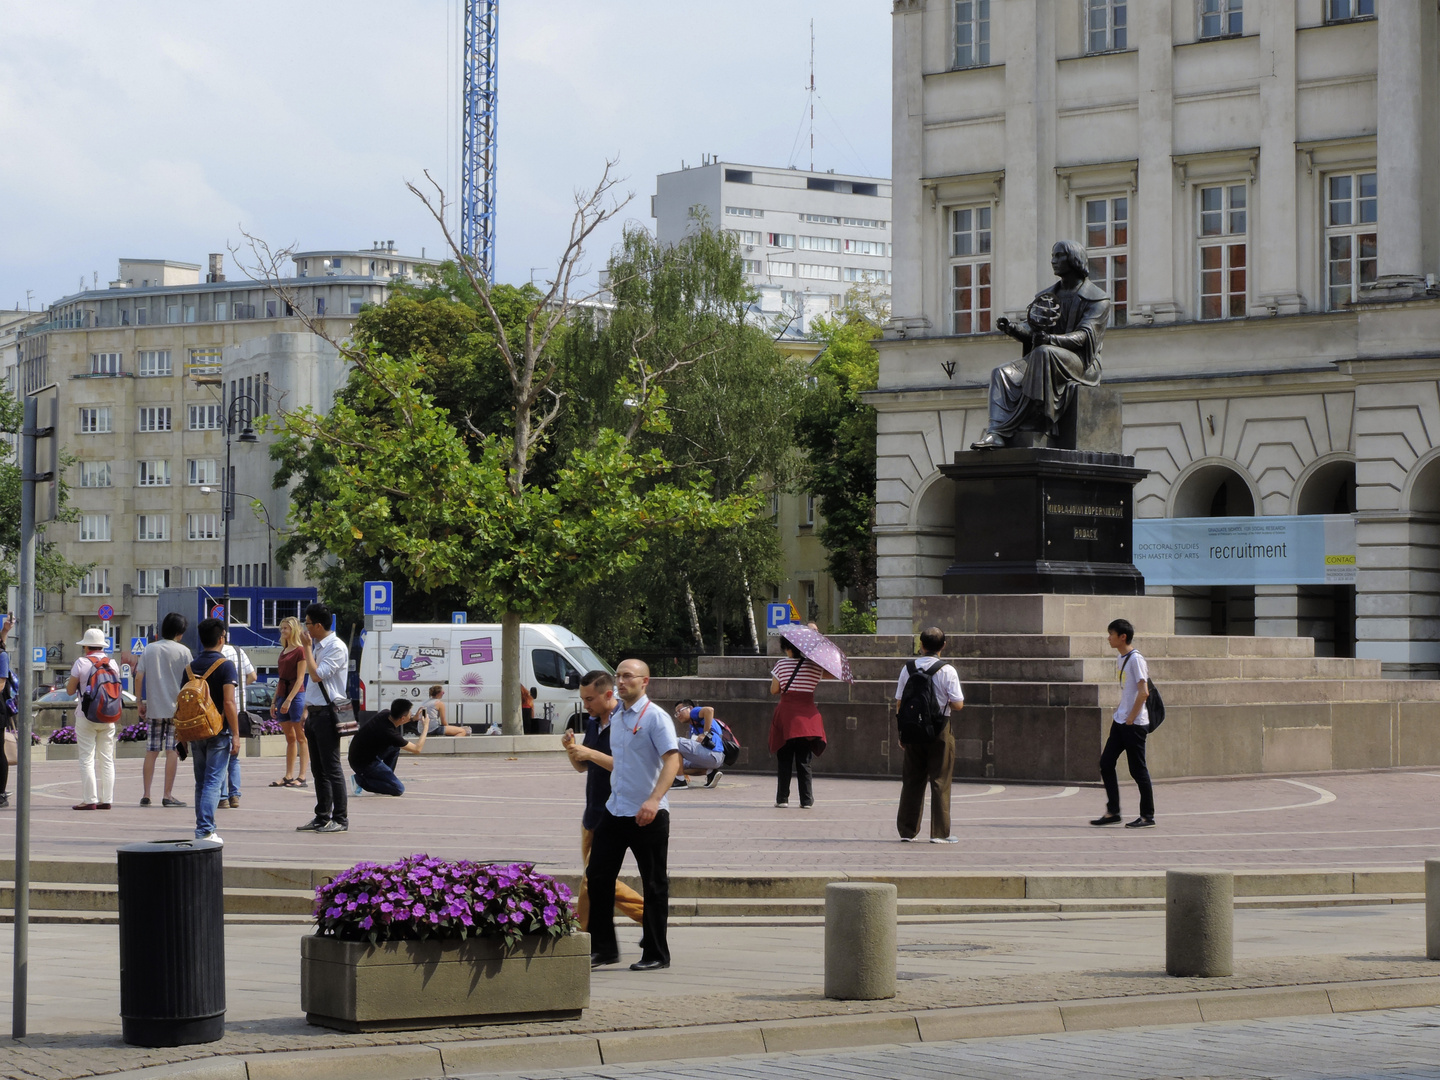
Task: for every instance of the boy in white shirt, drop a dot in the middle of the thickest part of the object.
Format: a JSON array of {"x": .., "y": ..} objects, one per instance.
[{"x": 1128, "y": 732}]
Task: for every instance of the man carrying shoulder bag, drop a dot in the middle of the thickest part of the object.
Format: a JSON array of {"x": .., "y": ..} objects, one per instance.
[{"x": 327, "y": 661}]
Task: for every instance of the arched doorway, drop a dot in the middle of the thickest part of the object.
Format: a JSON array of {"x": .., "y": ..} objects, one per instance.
[
  {"x": 1214, "y": 490},
  {"x": 1327, "y": 612}
]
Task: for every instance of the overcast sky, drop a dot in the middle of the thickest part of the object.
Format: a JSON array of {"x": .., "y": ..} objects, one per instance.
[{"x": 158, "y": 128}]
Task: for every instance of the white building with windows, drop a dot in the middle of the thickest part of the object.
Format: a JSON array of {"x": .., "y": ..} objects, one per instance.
[
  {"x": 808, "y": 239},
  {"x": 1257, "y": 183}
]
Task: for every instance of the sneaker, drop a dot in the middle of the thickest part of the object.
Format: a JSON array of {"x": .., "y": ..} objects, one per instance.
[
  {"x": 1141, "y": 823},
  {"x": 214, "y": 838},
  {"x": 355, "y": 787},
  {"x": 4, "y": 800},
  {"x": 713, "y": 777},
  {"x": 679, "y": 782},
  {"x": 779, "y": 803},
  {"x": 944, "y": 839},
  {"x": 168, "y": 801},
  {"x": 145, "y": 800},
  {"x": 907, "y": 839},
  {"x": 1106, "y": 819},
  {"x": 313, "y": 825},
  {"x": 333, "y": 826}
]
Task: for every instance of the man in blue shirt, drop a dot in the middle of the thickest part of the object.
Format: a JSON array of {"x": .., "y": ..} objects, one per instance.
[{"x": 646, "y": 759}]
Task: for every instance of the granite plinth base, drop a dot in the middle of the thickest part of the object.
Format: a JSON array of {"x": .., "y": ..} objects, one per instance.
[{"x": 1042, "y": 520}]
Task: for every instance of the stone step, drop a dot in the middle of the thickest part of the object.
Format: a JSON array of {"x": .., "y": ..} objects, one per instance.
[
  {"x": 91, "y": 897},
  {"x": 1153, "y": 645},
  {"x": 1039, "y": 613}
]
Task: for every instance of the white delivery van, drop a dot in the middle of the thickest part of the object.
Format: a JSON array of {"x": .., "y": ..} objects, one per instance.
[{"x": 465, "y": 659}]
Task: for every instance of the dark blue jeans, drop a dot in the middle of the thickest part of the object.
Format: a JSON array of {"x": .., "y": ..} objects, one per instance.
[
  {"x": 212, "y": 759},
  {"x": 379, "y": 776}
]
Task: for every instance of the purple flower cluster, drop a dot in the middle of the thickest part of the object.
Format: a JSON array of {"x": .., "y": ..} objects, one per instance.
[
  {"x": 266, "y": 727},
  {"x": 133, "y": 733},
  {"x": 63, "y": 735},
  {"x": 422, "y": 897}
]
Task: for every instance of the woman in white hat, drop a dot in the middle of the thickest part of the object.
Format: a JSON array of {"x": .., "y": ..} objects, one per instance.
[{"x": 95, "y": 743}]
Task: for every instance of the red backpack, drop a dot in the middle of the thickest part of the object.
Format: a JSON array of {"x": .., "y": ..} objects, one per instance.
[{"x": 101, "y": 703}]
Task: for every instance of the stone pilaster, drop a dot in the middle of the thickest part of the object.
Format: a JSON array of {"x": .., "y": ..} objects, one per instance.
[
  {"x": 1397, "y": 601},
  {"x": 1274, "y": 245},
  {"x": 907, "y": 108},
  {"x": 1277, "y": 610},
  {"x": 1152, "y": 269}
]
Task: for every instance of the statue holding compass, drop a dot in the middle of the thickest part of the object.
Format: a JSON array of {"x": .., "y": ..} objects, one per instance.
[{"x": 1062, "y": 333}]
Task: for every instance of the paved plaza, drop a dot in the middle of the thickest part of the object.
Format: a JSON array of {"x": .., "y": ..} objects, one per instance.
[{"x": 529, "y": 809}]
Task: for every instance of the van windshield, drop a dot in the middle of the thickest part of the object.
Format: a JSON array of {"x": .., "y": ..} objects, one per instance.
[{"x": 587, "y": 660}]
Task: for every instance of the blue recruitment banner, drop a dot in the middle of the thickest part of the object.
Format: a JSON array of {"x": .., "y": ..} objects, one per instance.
[{"x": 1310, "y": 549}]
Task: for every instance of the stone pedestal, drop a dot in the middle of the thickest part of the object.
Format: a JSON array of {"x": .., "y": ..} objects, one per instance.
[{"x": 1039, "y": 520}]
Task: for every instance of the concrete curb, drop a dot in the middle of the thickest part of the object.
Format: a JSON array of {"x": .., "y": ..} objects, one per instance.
[{"x": 425, "y": 1060}]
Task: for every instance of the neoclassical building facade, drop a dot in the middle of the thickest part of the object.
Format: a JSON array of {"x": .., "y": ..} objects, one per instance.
[{"x": 1257, "y": 185}]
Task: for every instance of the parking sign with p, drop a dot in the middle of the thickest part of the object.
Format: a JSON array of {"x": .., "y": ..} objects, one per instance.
[{"x": 379, "y": 602}]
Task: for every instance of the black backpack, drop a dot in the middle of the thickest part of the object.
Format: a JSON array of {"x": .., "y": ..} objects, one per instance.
[
  {"x": 921, "y": 714},
  {"x": 1154, "y": 703}
]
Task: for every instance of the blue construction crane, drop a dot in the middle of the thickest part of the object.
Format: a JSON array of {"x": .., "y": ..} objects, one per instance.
[{"x": 477, "y": 152}]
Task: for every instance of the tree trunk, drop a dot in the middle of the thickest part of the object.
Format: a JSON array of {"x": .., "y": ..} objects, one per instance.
[
  {"x": 719, "y": 629},
  {"x": 510, "y": 722},
  {"x": 750, "y": 612},
  {"x": 694, "y": 617}
]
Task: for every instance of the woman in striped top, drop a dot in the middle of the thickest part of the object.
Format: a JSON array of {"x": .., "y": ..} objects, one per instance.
[{"x": 797, "y": 731}]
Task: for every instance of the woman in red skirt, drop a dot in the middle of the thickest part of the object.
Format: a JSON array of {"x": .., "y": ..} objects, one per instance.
[{"x": 797, "y": 731}]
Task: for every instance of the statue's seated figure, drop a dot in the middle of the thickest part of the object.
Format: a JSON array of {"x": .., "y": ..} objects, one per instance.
[{"x": 1062, "y": 334}]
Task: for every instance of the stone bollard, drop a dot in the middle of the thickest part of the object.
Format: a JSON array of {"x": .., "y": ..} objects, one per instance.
[
  {"x": 1432, "y": 909},
  {"x": 860, "y": 922},
  {"x": 1199, "y": 923}
]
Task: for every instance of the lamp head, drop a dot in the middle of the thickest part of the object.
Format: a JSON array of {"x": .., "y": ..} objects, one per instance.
[{"x": 247, "y": 435}]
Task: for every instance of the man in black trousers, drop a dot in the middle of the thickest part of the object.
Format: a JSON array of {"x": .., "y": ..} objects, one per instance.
[{"x": 1128, "y": 732}]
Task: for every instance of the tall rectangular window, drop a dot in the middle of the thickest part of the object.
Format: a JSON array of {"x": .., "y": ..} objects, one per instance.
[
  {"x": 1106, "y": 26},
  {"x": 95, "y": 583},
  {"x": 150, "y": 582},
  {"x": 1224, "y": 261},
  {"x": 94, "y": 474},
  {"x": 95, "y": 421},
  {"x": 1340, "y": 10},
  {"x": 203, "y": 526},
  {"x": 1222, "y": 18},
  {"x": 972, "y": 33},
  {"x": 1351, "y": 241},
  {"x": 204, "y": 471},
  {"x": 105, "y": 363},
  {"x": 94, "y": 528},
  {"x": 206, "y": 418},
  {"x": 153, "y": 473},
  {"x": 154, "y": 418},
  {"x": 1107, "y": 242},
  {"x": 152, "y": 527},
  {"x": 970, "y": 254},
  {"x": 153, "y": 363}
]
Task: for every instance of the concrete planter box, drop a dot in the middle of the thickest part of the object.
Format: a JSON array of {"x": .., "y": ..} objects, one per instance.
[
  {"x": 70, "y": 752},
  {"x": 408, "y": 985},
  {"x": 265, "y": 746}
]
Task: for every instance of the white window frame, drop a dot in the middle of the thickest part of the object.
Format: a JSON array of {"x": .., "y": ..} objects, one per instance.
[
  {"x": 972, "y": 23},
  {"x": 752, "y": 266},
  {"x": 1356, "y": 230},
  {"x": 94, "y": 528},
  {"x": 783, "y": 241},
  {"x": 781, "y": 268},
  {"x": 153, "y": 364},
  {"x": 1226, "y": 18},
  {"x": 152, "y": 472},
  {"x": 154, "y": 418},
  {"x": 214, "y": 414},
  {"x": 200, "y": 577},
  {"x": 817, "y": 271},
  {"x": 1222, "y": 241},
  {"x": 95, "y": 420},
  {"x": 105, "y": 363},
  {"x": 96, "y": 582},
  {"x": 95, "y": 474},
  {"x": 1107, "y": 244},
  {"x": 1106, "y": 26},
  {"x": 205, "y": 361},
  {"x": 971, "y": 244},
  {"x": 152, "y": 528},
  {"x": 150, "y": 580},
  {"x": 1348, "y": 10},
  {"x": 202, "y": 527},
  {"x": 744, "y": 211},
  {"x": 203, "y": 476},
  {"x": 818, "y": 243}
]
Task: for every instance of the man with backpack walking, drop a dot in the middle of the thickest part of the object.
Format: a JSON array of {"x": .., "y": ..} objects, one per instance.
[
  {"x": 925, "y": 696},
  {"x": 1129, "y": 731},
  {"x": 96, "y": 679},
  {"x": 206, "y": 719}
]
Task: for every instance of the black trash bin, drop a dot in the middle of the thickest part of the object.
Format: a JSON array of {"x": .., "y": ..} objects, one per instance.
[{"x": 172, "y": 942}]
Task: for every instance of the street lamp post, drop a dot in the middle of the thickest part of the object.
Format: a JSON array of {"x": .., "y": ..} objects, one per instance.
[
  {"x": 262, "y": 508},
  {"x": 227, "y": 489}
]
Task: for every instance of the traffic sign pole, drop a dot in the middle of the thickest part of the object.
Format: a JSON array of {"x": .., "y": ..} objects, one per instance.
[{"x": 21, "y": 953}]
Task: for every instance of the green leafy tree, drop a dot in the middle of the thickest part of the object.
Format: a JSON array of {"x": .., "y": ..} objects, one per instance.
[
  {"x": 53, "y": 573},
  {"x": 836, "y": 430}
]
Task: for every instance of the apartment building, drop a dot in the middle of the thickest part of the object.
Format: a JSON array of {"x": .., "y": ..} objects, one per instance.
[
  {"x": 148, "y": 371},
  {"x": 1257, "y": 183}
]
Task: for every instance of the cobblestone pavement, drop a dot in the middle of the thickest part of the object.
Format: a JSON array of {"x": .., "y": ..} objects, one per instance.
[
  {"x": 1397, "y": 1044},
  {"x": 529, "y": 809},
  {"x": 721, "y": 975}
]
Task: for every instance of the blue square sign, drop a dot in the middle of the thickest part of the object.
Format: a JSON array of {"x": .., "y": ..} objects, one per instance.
[
  {"x": 777, "y": 615},
  {"x": 37, "y": 655},
  {"x": 379, "y": 598}
]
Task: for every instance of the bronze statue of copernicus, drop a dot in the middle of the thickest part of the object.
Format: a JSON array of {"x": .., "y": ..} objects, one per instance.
[{"x": 1061, "y": 333}]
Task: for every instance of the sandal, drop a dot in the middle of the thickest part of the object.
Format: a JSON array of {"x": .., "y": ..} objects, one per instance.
[
  {"x": 301, "y": 782},
  {"x": 289, "y": 781}
]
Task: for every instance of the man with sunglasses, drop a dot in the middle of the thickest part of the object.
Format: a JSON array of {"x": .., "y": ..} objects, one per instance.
[
  {"x": 646, "y": 759},
  {"x": 327, "y": 661}
]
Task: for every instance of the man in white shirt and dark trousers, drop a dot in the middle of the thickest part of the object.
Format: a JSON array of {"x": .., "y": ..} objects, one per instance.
[
  {"x": 1128, "y": 732},
  {"x": 328, "y": 661},
  {"x": 928, "y": 761}
]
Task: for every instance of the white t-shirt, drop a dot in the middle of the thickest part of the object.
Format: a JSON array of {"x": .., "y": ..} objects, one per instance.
[
  {"x": 945, "y": 681},
  {"x": 243, "y": 668},
  {"x": 1130, "y": 669}
]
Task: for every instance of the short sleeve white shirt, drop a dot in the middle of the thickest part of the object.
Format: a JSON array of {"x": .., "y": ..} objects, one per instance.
[
  {"x": 1130, "y": 669},
  {"x": 945, "y": 681}
]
